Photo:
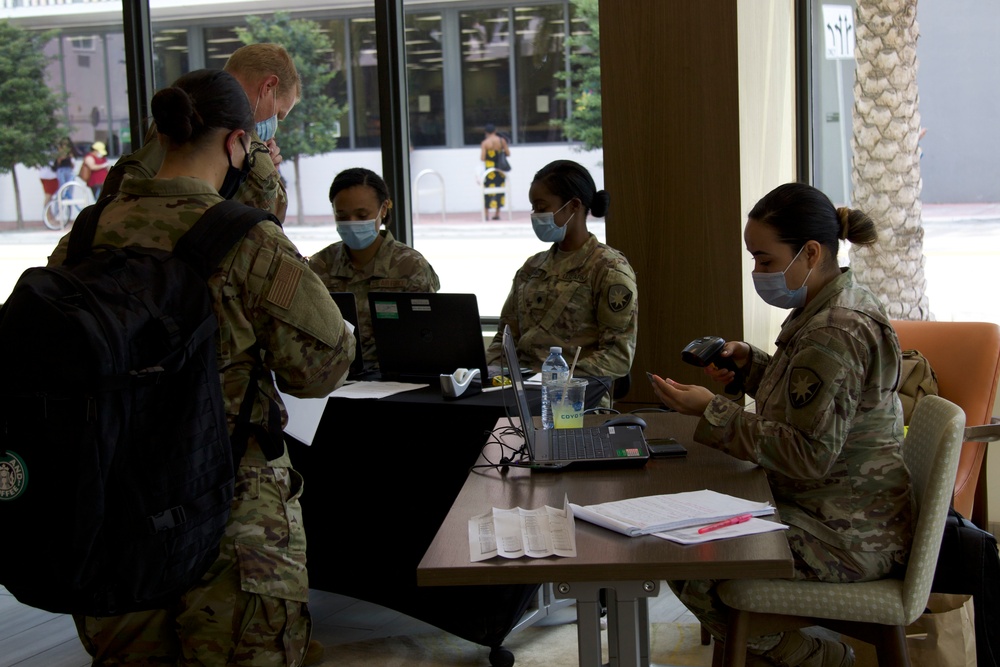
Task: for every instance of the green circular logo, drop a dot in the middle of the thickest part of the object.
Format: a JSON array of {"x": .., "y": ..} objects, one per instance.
[{"x": 13, "y": 476}]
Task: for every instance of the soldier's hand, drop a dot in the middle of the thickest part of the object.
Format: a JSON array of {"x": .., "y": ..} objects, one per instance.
[
  {"x": 688, "y": 399},
  {"x": 274, "y": 151},
  {"x": 739, "y": 352}
]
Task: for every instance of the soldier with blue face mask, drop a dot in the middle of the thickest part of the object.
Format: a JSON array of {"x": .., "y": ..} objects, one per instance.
[
  {"x": 577, "y": 293},
  {"x": 368, "y": 258},
  {"x": 828, "y": 424},
  {"x": 272, "y": 86}
]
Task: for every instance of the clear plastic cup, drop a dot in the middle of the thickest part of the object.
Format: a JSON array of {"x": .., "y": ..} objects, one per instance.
[{"x": 567, "y": 404}]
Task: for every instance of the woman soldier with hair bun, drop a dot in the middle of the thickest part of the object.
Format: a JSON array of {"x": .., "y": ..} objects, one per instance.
[
  {"x": 579, "y": 292},
  {"x": 828, "y": 425}
]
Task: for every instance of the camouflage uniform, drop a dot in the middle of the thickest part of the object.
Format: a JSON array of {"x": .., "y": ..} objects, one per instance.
[
  {"x": 827, "y": 431},
  {"x": 262, "y": 189},
  {"x": 250, "y": 607},
  {"x": 584, "y": 298},
  {"x": 396, "y": 267}
]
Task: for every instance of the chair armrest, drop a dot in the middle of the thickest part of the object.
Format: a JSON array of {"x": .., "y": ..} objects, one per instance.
[{"x": 985, "y": 433}]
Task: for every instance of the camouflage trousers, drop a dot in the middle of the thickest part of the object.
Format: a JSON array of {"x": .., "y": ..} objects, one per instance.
[
  {"x": 814, "y": 561},
  {"x": 250, "y": 608}
]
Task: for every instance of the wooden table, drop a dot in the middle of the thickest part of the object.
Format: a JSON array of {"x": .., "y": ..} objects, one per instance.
[{"x": 630, "y": 568}]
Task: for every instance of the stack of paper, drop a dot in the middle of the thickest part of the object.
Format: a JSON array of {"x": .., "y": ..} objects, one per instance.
[{"x": 674, "y": 511}]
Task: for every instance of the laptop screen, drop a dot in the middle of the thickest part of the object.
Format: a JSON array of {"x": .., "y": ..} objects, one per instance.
[
  {"x": 420, "y": 335},
  {"x": 520, "y": 398}
]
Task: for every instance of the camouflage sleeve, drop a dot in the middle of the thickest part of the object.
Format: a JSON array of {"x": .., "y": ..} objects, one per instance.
[
  {"x": 758, "y": 362},
  {"x": 300, "y": 328},
  {"x": 423, "y": 278},
  {"x": 814, "y": 403},
  {"x": 263, "y": 187},
  {"x": 508, "y": 316},
  {"x": 617, "y": 323},
  {"x": 58, "y": 255}
]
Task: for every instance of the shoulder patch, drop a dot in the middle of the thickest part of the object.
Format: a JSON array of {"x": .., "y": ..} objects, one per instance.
[
  {"x": 286, "y": 282},
  {"x": 619, "y": 297},
  {"x": 803, "y": 386}
]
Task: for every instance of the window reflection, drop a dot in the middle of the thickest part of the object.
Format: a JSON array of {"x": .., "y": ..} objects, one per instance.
[
  {"x": 425, "y": 79},
  {"x": 540, "y": 33},
  {"x": 364, "y": 71},
  {"x": 485, "y": 40}
]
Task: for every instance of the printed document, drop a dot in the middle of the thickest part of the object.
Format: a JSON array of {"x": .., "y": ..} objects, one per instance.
[{"x": 517, "y": 532}]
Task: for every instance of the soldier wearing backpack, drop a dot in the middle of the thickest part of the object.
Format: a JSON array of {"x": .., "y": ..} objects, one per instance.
[{"x": 276, "y": 319}]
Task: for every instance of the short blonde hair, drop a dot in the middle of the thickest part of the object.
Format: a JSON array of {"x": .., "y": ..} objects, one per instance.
[{"x": 253, "y": 62}]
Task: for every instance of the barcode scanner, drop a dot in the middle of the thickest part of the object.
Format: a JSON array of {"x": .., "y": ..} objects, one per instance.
[{"x": 708, "y": 350}]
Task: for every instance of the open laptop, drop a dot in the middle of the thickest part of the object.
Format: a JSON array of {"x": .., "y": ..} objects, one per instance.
[
  {"x": 620, "y": 446},
  {"x": 349, "y": 311},
  {"x": 420, "y": 335}
]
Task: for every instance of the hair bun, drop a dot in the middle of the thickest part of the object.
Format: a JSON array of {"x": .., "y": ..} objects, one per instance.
[
  {"x": 174, "y": 113},
  {"x": 599, "y": 207},
  {"x": 844, "y": 214}
]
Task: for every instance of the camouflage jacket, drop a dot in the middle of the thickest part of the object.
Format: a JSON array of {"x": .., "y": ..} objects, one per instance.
[
  {"x": 396, "y": 267},
  {"x": 262, "y": 189},
  {"x": 584, "y": 298},
  {"x": 828, "y": 425},
  {"x": 265, "y": 295}
]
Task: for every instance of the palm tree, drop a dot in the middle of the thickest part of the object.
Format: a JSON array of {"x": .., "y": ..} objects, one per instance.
[{"x": 885, "y": 171}]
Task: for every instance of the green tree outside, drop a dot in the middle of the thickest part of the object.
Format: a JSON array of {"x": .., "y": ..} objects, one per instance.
[
  {"x": 582, "y": 91},
  {"x": 29, "y": 116},
  {"x": 312, "y": 127}
]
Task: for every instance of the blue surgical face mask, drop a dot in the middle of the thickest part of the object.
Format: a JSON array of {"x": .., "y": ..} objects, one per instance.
[
  {"x": 358, "y": 235},
  {"x": 773, "y": 289},
  {"x": 546, "y": 228},
  {"x": 267, "y": 127}
]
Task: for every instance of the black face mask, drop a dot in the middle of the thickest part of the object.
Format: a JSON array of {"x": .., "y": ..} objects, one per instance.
[{"x": 234, "y": 177}]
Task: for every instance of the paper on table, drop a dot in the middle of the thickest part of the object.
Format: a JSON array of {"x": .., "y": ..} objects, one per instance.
[
  {"x": 367, "y": 389},
  {"x": 517, "y": 532},
  {"x": 691, "y": 535},
  {"x": 654, "y": 514}
]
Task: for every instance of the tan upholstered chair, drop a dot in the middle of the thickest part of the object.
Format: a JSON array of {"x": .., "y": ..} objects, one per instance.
[
  {"x": 878, "y": 611},
  {"x": 965, "y": 357}
]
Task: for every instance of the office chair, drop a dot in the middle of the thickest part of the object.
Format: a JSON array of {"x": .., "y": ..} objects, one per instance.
[
  {"x": 965, "y": 357},
  {"x": 876, "y": 611}
]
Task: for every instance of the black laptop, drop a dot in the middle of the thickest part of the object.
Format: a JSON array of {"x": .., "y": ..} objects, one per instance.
[
  {"x": 420, "y": 335},
  {"x": 622, "y": 446}
]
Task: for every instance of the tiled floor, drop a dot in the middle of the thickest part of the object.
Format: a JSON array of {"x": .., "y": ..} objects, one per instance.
[{"x": 33, "y": 638}]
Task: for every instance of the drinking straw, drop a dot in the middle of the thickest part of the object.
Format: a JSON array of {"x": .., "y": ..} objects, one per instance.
[{"x": 572, "y": 368}]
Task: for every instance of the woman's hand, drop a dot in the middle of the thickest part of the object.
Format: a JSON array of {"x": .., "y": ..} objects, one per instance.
[
  {"x": 687, "y": 399},
  {"x": 736, "y": 350}
]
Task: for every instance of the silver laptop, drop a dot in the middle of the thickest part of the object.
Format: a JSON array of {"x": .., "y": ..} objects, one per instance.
[{"x": 621, "y": 446}]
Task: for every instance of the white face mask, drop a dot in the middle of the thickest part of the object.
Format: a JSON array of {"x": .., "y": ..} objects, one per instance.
[{"x": 773, "y": 288}]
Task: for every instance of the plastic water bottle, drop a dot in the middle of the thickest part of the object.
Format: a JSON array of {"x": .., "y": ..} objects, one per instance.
[{"x": 555, "y": 374}]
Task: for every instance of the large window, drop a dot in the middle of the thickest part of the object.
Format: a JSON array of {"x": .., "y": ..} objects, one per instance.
[
  {"x": 486, "y": 40},
  {"x": 425, "y": 79},
  {"x": 364, "y": 72},
  {"x": 541, "y": 63}
]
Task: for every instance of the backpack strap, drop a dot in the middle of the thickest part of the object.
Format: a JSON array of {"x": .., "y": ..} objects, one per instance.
[
  {"x": 204, "y": 246},
  {"x": 81, "y": 237},
  {"x": 216, "y": 232}
]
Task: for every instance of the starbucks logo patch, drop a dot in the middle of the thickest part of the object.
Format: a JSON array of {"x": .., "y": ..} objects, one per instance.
[{"x": 13, "y": 476}]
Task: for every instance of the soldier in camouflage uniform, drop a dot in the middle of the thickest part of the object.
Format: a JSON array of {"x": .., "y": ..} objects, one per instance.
[
  {"x": 368, "y": 260},
  {"x": 828, "y": 425},
  {"x": 250, "y": 607},
  {"x": 578, "y": 293},
  {"x": 269, "y": 78}
]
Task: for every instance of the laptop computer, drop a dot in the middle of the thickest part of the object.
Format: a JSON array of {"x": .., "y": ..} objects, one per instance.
[
  {"x": 348, "y": 305},
  {"x": 622, "y": 446},
  {"x": 420, "y": 335}
]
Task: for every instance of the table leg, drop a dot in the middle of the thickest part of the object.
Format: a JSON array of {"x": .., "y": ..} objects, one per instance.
[{"x": 628, "y": 620}]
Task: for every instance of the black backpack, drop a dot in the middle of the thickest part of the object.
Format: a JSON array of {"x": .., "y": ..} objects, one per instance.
[
  {"x": 969, "y": 564},
  {"x": 116, "y": 467}
]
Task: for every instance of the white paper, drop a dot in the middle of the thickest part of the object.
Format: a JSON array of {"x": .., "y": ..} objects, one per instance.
[
  {"x": 513, "y": 533},
  {"x": 691, "y": 535},
  {"x": 366, "y": 389},
  {"x": 304, "y": 415},
  {"x": 653, "y": 514}
]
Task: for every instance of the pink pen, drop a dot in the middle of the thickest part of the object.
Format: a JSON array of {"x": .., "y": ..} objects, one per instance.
[{"x": 743, "y": 518}]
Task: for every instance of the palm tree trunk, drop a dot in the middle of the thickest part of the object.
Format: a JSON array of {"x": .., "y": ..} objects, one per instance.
[{"x": 886, "y": 166}]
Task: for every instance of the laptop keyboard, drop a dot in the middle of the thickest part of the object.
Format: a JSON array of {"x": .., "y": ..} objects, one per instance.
[{"x": 587, "y": 443}]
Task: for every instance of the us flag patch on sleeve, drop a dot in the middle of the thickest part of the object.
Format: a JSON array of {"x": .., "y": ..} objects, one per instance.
[{"x": 286, "y": 282}]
